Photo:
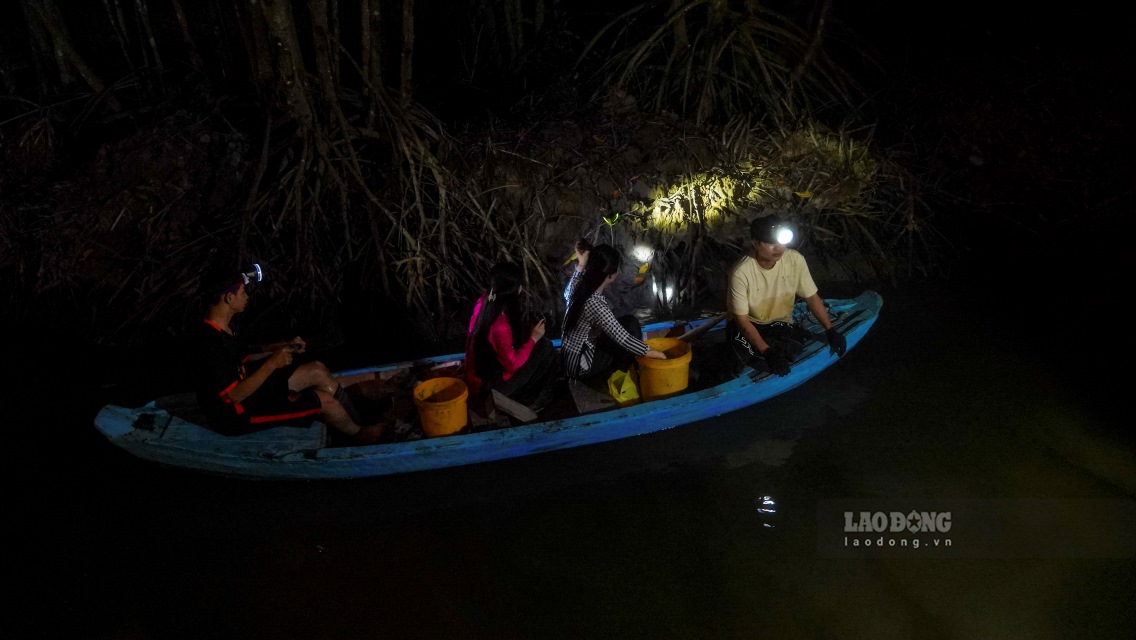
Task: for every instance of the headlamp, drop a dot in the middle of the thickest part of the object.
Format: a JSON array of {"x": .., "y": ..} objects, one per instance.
[
  {"x": 778, "y": 233},
  {"x": 222, "y": 280},
  {"x": 783, "y": 234},
  {"x": 255, "y": 275}
]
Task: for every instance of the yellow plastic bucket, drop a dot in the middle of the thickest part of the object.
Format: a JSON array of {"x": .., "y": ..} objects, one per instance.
[
  {"x": 441, "y": 406},
  {"x": 660, "y": 379}
]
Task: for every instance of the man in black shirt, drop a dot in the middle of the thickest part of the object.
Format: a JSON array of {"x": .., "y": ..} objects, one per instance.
[{"x": 242, "y": 392}]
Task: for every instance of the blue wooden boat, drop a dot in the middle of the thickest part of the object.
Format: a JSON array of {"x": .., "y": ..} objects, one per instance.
[{"x": 159, "y": 432}]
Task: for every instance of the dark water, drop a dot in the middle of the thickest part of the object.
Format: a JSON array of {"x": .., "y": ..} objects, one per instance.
[{"x": 654, "y": 536}]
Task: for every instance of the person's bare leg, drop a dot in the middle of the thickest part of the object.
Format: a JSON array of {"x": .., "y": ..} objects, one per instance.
[
  {"x": 312, "y": 374},
  {"x": 316, "y": 375},
  {"x": 336, "y": 417}
]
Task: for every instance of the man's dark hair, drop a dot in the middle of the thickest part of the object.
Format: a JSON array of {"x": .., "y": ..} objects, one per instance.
[
  {"x": 763, "y": 229},
  {"x": 218, "y": 282}
]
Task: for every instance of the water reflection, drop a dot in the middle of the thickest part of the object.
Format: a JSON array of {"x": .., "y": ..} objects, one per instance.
[{"x": 767, "y": 509}]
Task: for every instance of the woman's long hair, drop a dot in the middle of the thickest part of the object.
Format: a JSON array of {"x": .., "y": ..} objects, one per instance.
[
  {"x": 505, "y": 279},
  {"x": 603, "y": 260}
]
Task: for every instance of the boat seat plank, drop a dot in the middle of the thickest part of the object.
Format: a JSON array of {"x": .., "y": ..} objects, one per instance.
[
  {"x": 512, "y": 407},
  {"x": 588, "y": 399}
]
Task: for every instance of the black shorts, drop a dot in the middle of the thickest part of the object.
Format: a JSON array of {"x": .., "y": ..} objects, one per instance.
[
  {"x": 273, "y": 405},
  {"x": 791, "y": 339}
]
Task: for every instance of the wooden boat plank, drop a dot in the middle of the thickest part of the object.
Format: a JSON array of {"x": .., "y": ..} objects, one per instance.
[
  {"x": 589, "y": 400},
  {"x": 512, "y": 407}
]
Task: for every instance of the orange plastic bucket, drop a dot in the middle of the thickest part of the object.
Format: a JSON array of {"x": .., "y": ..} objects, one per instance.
[
  {"x": 441, "y": 406},
  {"x": 660, "y": 379}
]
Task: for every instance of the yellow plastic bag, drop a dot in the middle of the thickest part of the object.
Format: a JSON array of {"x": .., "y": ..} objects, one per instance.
[{"x": 623, "y": 387}]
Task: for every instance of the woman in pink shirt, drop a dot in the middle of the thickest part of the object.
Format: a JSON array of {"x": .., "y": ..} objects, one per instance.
[{"x": 504, "y": 352}]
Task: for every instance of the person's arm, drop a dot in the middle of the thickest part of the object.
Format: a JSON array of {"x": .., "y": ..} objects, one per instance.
[
  {"x": 816, "y": 306},
  {"x": 583, "y": 250},
  {"x": 297, "y": 345},
  {"x": 571, "y": 286},
  {"x": 738, "y": 305},
  {"x": 476, "y": 312},
  {"x": 501, "y": 339},
  {"x": 836, "y": 341},
  {"x": 612, "y": 329},
  {"x": 248, "y": 386}
]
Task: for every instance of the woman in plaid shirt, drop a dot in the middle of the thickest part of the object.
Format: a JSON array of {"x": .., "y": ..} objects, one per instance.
[{"x": 596, "y": 343}]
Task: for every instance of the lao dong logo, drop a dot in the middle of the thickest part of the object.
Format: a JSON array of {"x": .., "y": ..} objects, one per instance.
[{"x": 897, "y": 522}]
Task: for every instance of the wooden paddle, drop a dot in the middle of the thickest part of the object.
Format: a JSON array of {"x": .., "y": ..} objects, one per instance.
[
  {"x": 703, "y": 328},
  {"x": 347, "y": 381}
]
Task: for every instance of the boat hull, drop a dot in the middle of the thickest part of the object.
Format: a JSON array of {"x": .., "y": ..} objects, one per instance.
[{"x": 298, "y": 453}]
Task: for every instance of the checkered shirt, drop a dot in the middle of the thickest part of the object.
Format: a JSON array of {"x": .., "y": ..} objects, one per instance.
[{"x": 579, "y": 344}]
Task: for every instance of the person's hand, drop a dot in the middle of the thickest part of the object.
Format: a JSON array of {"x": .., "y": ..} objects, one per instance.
[
  {"x": 777, "y": 361},
  {"x": 537, "y": 331},
  {"x": 280, "y": 358},
  {"x": 656, "y": 354},
  {"x": 297, "y": 345},
  {"x": 836, "y": 342},
  {"x": 583, "y": 249}
]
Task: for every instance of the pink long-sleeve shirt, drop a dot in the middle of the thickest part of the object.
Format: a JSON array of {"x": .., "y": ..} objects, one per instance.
[{"x": 501, "y": 339}]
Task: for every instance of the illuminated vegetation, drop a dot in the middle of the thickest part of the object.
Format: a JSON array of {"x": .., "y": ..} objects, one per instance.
[{"x": 290, "y": 139}]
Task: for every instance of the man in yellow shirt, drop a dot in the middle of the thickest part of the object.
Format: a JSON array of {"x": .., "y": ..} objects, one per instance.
[{"x": 764, "y": 286}]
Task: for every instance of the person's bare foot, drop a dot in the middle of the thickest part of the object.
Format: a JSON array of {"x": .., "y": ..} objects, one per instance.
[{"x": 370, "y": 434}]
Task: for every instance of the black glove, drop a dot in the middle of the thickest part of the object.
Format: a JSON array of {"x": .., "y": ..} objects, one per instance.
[
  {"x": 777, "y": 361},
  {"x": 836, "y": 342}
]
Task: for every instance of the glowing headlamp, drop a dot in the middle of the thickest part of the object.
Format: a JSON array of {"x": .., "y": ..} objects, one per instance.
[
  {"x": 222, "y": 280},
  {"x": 777, "y": 234},
  {"x": 255, "y": 275},
  {"x": 782, "y": 234}
]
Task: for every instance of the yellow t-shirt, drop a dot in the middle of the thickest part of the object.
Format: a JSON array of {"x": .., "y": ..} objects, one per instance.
[{"x": 768, "y": 295}]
